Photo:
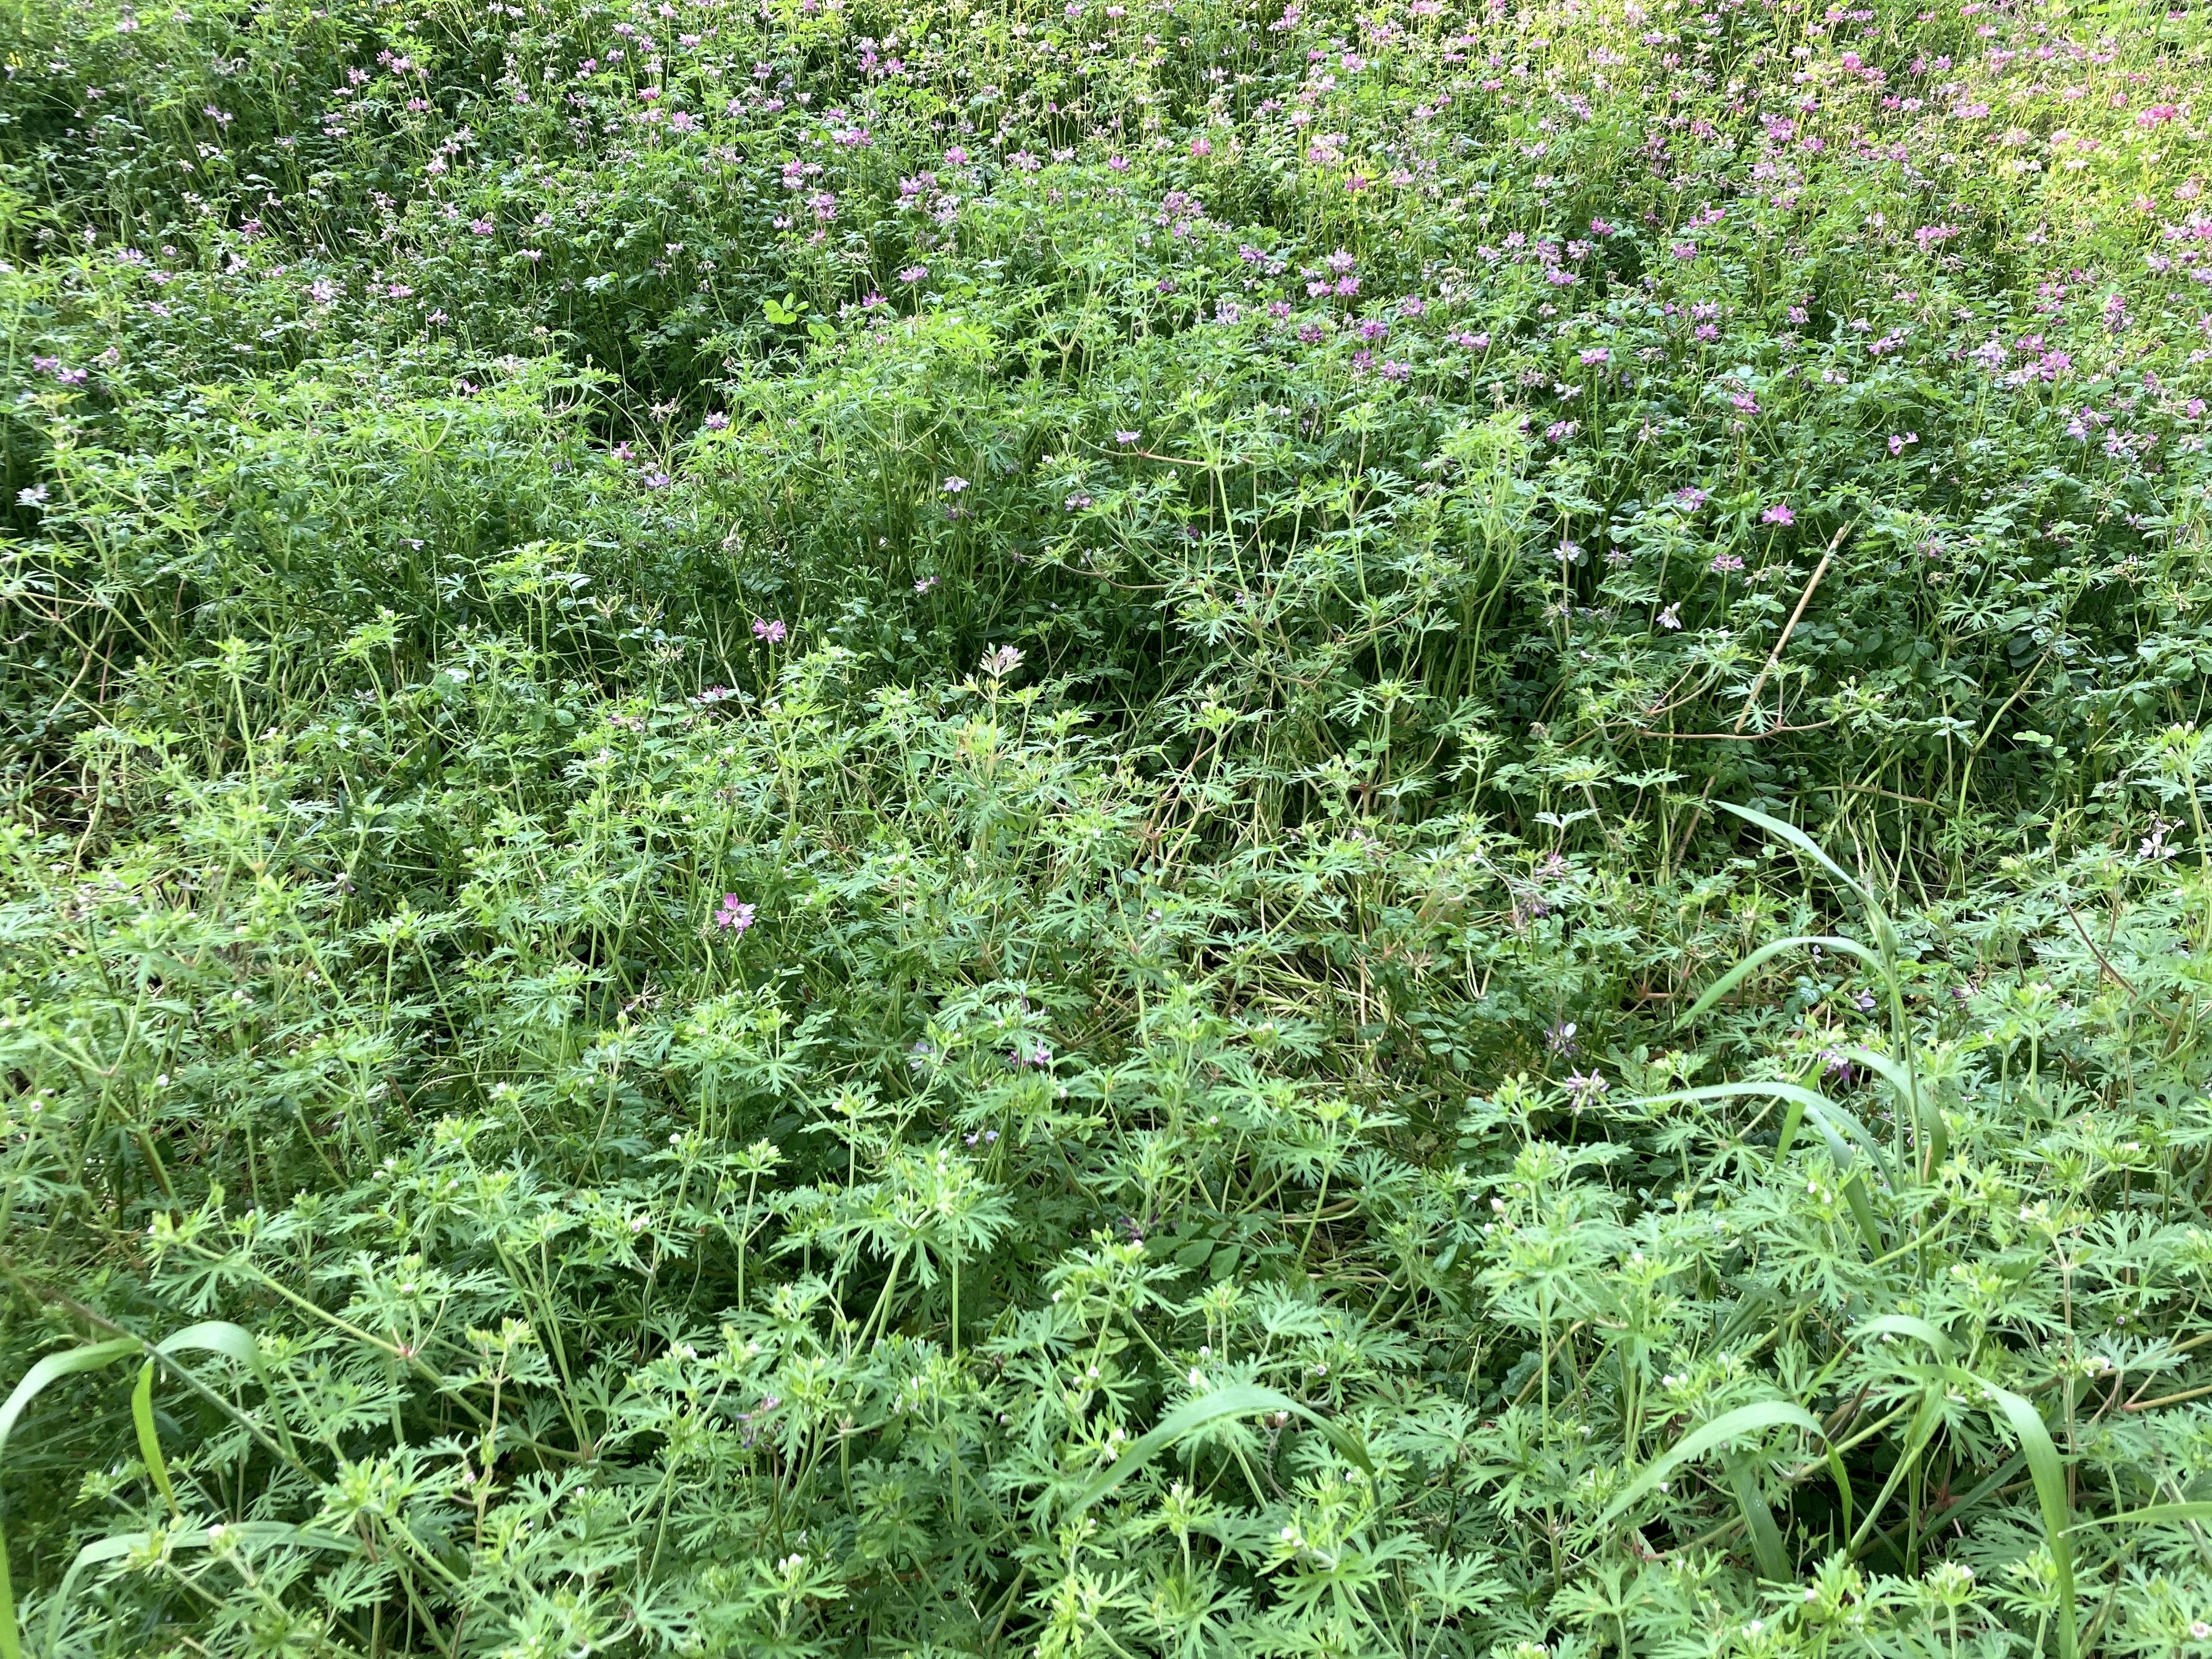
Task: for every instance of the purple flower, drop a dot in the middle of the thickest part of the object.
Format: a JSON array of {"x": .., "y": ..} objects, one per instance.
[
  {"x": 1585, "y": 1088},
  {"x": 769, "y": 633},
  {"x": 735, "y": 916},
  {"x": 1727, "y": 564},
  {"x": 954, "y": 485},
  {"x": 1778, "y": 513}
]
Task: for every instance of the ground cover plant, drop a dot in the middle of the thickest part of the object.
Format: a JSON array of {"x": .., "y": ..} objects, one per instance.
[{"x": 1183, "y": 828}]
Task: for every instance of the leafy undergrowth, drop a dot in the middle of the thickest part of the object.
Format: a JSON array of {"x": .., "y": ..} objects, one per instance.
[{"x": 1177, "y": 828}]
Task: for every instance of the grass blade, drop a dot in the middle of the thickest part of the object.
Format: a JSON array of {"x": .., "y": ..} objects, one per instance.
[
  {"x": 1241, "y": 1401},
  {"x": 2048, "y": 1474},
  {"x": 121, "y": 1544},
  {"x": 52, "y": 1368},
  {"x": 150, "y": 1442},
  {"x": 1766, "y": 1536},
  {"x": 1765, "y": 953},
  {"x": 1805, "y": 844},
  {"x": 2154, "y": 1514},
  {"x": 1758, "y": 1519},
  {"x": 236, "y": 1343},
  {"x": 1838, "y": 1127},
  {"x": 1907, "y": 1325}
]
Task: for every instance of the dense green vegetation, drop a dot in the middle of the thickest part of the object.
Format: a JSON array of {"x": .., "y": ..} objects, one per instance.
[{"x": 1176, "y": 828}]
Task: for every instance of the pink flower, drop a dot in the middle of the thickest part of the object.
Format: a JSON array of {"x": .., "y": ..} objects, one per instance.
[
  {"x": 1778, "y": 513},
  {"x": 770, "y": 632},
  {"x": 735, "y": 916}
]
